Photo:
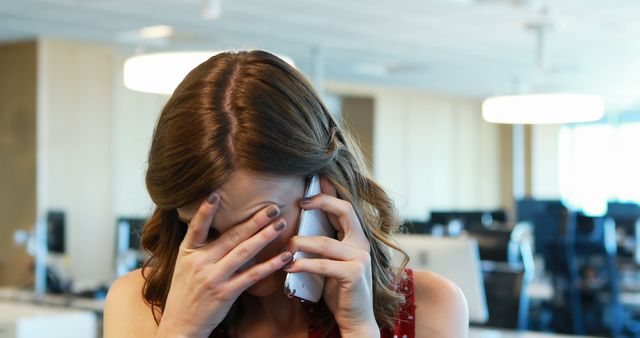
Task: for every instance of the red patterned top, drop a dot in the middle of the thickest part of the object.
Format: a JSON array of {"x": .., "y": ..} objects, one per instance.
[{"x": 405, "y": 323}]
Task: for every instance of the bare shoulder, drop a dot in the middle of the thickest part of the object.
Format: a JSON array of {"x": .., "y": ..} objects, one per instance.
[
  {"x": 441, "y": 308},
  {"x": 125, "y": 312}
]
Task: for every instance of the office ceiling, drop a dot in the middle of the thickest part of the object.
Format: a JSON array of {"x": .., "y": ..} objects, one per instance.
[{"x": 462, "y": 47}]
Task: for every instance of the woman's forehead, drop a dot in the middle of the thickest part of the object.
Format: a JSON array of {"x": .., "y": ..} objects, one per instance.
[{"x": 245, "y": 193}]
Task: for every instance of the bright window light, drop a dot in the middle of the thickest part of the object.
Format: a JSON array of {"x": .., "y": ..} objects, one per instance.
[{"x": 597, "y": 164}]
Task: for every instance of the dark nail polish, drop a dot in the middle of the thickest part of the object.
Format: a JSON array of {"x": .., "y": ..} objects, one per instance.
[
  {"x": 286, "y": 256},
  {"x": 305, "y": 200},
  {"x": 288, "y": 266},
  {"x": 280, "y": 225},
  {"x": 273, "y": 211},
  {"x": 213, "y": 198}
]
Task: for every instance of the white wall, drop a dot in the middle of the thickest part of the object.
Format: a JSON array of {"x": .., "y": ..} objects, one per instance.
[
  {"x": 77, "y": 150},
  {"x": 435, "y": 153},
  {"x": 134, "y": 117},
  {"x": 93, "y": 138},
  {"x": 431, "y": 151},
  {"x": 545, "y": 161}
]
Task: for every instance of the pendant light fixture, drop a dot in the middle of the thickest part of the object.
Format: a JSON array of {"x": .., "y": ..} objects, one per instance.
[
  {"x": 160, "y": 73},
  {"x": 542, "y": 108}
]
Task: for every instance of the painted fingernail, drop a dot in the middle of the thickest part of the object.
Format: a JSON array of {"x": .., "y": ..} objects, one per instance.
[
  {"x": 286, "y": 256},
  {"x": 273, "y": 211},
  {"x": 213, "y": 198},
  {"x": 288, "y": 266},
  {"x": 305, "y": 200},
  {"x": 280, "y": 225}
]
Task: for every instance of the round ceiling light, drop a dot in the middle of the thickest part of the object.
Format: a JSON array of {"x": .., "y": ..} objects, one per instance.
[
  {"x": 161, "y": 73},
  {"x": 543, "y": 108}
]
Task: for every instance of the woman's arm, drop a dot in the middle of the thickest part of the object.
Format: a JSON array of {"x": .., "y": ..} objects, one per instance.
[
  {"x": 125, "y": 312},
  {"x": 206, "y": 279},
  {"x": 441, "y": 308}
]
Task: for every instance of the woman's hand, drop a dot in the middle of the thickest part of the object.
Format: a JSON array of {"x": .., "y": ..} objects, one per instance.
[
  {"x": 346, "y": 264},
  {"x": 206, "y": 279}
]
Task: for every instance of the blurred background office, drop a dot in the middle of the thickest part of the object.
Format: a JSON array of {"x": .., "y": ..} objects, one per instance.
[{"x": 529, "y": 202}]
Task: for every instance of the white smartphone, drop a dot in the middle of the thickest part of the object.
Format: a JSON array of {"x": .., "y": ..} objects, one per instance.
[{"x": 307, "y": 286}]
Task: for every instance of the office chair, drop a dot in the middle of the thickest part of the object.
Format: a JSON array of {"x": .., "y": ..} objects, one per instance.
[
  {"x": 584, "y": 270},
  {"x": 507, "y": 299},
  {"x": 508, "y": 268}
]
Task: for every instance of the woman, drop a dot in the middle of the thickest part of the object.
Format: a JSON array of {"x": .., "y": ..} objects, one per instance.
[{"x": 228, "y": 161}]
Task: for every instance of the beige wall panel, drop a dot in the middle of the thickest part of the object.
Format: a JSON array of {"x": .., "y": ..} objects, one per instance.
[
  {"x": 75, "y": 98},
  {"x": 435, "y": 152},
  {"x": 545, "y": 157}
]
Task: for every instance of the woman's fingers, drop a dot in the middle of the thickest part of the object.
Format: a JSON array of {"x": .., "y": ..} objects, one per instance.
[
  {"x": 198, "y": 228},
  {"x": 351, "y": 270},
  {"x": 346, "y": 216},
  {"x": 327, "y": 188},
  {"x": 246, "y": 250},
  {"x": 342, "y": 217},
  {"x": 258, "y": 272},
  {"x": 323, "y": 246},
  {"x": 238, "y": 233}
]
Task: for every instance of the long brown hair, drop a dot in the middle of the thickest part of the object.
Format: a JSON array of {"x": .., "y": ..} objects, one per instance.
[{"x": 251, "y": 110}]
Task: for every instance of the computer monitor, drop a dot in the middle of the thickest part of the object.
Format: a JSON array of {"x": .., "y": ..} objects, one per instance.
[
  {"x": 128, "y": 253},
  {"x": 623, "y": 211},
  {"x": 627, "y": 220},
  {"x": 625, "y": 215},
  {"x": 469, "y": 218},
  {"x": 416, "y": 227},
  {"x": 56, "y": 242},
  {"x": 454, "y": 258},
  {"x": 547, "y": 217},
  {"x": 495, "y": 244},
  {"x": 129, "y": 232}
]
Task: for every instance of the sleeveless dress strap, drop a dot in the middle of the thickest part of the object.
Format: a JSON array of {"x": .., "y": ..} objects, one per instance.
[
  {"x": 405, "y": 323},
  {"x": 406, "y": 319}
]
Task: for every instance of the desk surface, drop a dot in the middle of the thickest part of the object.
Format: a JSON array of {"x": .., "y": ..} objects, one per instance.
[
  {"x": 22, "y": 320},
  {"x": 11, "y": 311},
  {"x": 28, "y": 297},
  {"x": 495, "y": 333}
]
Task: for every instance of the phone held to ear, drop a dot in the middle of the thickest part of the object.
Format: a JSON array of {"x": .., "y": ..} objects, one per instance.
[{"x": 304, "y": 285}]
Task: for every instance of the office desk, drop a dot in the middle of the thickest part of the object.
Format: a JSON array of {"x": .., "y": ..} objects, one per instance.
[
  {"x": 496, "y": 333},
  {"x": 61, "y": 301},
  {"x": 20, "y": 320}
]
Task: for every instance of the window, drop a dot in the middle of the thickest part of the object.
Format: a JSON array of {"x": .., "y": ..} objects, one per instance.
[{"x": 599, "y": 163}]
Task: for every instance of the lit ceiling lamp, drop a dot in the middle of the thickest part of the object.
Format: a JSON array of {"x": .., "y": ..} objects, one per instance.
[
  {"x": 542, "y": 108},
  {"x": 160, "y": 73}
]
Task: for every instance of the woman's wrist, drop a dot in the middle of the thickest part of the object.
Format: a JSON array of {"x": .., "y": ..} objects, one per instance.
[
  {"x": 167, "y": 334},
  {"x": 370, "y": 329},
  {"x": 166, "y": 331}
]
